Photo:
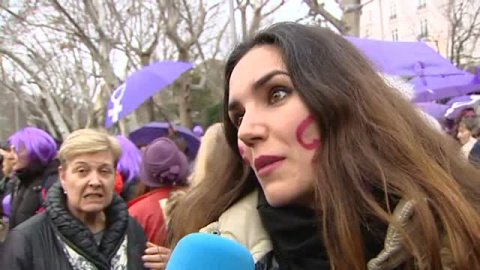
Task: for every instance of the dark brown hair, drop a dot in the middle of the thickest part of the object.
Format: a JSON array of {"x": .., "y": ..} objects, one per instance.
[{"x": 372, "y": 138}]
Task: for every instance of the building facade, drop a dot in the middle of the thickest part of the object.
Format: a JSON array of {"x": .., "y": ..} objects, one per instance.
[{"x": 411, "y": 20}]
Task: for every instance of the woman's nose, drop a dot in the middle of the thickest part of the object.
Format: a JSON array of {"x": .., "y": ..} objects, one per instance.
[{"x": 252, "y": 130}]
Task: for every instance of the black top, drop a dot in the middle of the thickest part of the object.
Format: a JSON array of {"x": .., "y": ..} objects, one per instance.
[
  {"x": 474, "y": 156},
  {"x": 27, "y": 194},
  {"x": 297, "y": 241}
]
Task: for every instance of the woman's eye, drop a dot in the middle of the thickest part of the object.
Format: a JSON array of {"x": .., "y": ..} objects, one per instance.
[
  {"x": 278, "y": 94},
  {"x": 236, "y": 119},
  {"x": 106, "y": 171}
]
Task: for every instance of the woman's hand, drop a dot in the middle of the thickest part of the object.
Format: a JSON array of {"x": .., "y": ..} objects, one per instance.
[{"x": 156, "y": 257}]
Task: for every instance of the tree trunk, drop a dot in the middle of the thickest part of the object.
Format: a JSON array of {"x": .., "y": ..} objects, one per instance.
[{"x": 183, "y": 97}]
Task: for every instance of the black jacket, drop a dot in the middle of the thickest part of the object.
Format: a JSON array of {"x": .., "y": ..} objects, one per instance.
[
  {"x": 27, "y": 194},
  {"x": 474, "y": 156},
  {"x": 6, "y": 188},
  {"x": 34, "y": 244},
  {"x": 129, "y": 189}
]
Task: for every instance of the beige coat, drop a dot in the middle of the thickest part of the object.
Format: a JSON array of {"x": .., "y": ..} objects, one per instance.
[{"x": 242, "y": 223}]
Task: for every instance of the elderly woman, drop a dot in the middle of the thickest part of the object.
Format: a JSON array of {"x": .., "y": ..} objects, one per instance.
[
  {"x": 34, "y": 166},
  {"x": 85, "y": 225}
]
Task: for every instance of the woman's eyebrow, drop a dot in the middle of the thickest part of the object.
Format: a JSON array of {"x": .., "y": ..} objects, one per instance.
[
  {"x": 267, "y": 77},
  {"x": 232, "y": 105}
]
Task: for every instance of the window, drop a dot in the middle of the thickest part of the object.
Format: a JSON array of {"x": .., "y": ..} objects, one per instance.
[
  {"x": 422, "y": 4},
  {"x": 367, "y": 32},
  {"x": 393, "y": 10},
  {"x": 423, "y": 28},
  {"x": 395, "y": 35}
]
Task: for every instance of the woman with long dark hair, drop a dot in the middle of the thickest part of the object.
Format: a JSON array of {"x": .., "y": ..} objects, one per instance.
[{"x": 349, "y": 175}]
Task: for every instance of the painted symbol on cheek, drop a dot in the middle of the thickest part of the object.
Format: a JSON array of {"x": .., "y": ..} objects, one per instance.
[
  {"x": 242, "y": 153},
  {"x": 300, "y": 133}
]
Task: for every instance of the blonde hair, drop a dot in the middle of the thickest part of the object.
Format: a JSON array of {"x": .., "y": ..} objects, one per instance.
[
  {"x": 85, "y": 141},
  {"x": 213, "y": 152}
]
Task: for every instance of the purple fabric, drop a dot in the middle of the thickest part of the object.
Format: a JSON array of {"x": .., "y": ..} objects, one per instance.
[
  {"x": 163, "y": 164},
  {"x": 428, "y": 88},
  {"x": 458, "y": 106},
  {"x": 6, "y": 203},
  {"x": 141, "y": 85},
  {"x": 403, "y": 58},
  {"x": 129, "y": 164},
  {"x": 39, "y": 144},
  {"x": 198, "y": 130},
  {"x": 153, "y": 130},
  {"x": 435, "y": 110}
]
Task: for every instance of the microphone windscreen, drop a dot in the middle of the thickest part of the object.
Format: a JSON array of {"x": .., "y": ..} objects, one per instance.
[{"x": 209, "y": 252}]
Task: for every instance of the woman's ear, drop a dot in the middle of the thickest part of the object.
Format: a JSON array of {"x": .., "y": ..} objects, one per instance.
[{"x": 61, "y": 175}]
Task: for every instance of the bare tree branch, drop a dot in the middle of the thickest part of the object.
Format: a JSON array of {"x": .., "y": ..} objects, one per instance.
[{"x": 317, "y": 9}]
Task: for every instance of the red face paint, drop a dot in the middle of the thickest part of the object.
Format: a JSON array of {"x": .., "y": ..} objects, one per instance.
[{"x": 300, "y": 132}]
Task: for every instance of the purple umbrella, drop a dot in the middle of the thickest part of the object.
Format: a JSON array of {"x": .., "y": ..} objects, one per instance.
[
  {"x": 461, "y": 99},
  {"x": 461, "y": 103},
  {"x": 141, "y": 85},
  {"x": 428, "y": 88},
  {"x": 404, "y": 58},
  {"x": 435, "y": 110},
  {"x": 153, "y": 130}
]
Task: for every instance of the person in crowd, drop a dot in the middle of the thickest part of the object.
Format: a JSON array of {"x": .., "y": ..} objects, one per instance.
[
  {"x": 36, "y": 169},
  {"x": 6, "y": 183},
  {"x": 241, "y": 221},
  {"x": 348, "y": 174},
  {"x": 129, "y": 167},
  {"x": 453, "y": 125},
  {"x": 468, "y": 131},
  {"x": 85, "y": 225},
  {"x": 213, "y": 161},
  {"x": 213, "y": 158},
  {"x": 6, "y": 188},
  {"x": 163, "y": 169}
]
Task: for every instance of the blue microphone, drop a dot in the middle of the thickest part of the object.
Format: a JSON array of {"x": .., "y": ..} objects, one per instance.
[{"x": 209, "y": 252}]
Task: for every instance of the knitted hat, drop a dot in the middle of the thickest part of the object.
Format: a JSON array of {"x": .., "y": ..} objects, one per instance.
[{"x": 163, "y": 164}]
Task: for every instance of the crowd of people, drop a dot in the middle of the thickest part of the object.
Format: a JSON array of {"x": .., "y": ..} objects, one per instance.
[{"x": 319, "y": 164}]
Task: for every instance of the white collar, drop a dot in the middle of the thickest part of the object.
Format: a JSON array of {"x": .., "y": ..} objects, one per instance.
[{"x": 466, "y": 148}]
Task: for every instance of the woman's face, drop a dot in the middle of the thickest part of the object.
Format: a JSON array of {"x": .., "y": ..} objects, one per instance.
[
  {"x": 88, "y": 181},
  {"x": 20, "y": 158},
  {"x": 463, "y": 134},
  {"x": 7, "y": 163},
  {"x": 278, "y": 136}
]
